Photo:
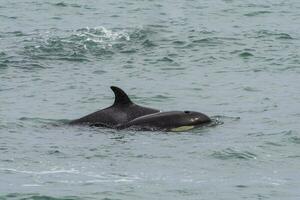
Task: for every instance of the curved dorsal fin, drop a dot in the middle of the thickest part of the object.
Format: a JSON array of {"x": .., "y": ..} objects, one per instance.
[{"x": 120, "y": 96}]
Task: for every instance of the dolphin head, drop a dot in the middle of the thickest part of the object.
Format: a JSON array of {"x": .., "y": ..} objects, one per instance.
[
  {"x": 192, "y": 118},
  {"x": 188, "y": 120}
]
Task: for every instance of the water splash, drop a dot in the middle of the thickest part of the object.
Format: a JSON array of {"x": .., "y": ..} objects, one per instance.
[
  {"x": 221, "y": 119},
  {"x": 101, "y": 34},
  {"x": 86, "y": 44}
]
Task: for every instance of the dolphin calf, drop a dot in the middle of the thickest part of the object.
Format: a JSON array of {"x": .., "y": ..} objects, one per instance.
[
  {"x": 168, "y": 121},
  {"x": 122, "y": 111}
]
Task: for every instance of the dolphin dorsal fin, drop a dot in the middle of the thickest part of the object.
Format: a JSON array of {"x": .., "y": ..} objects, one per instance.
[{"x": 121, "y": 98}]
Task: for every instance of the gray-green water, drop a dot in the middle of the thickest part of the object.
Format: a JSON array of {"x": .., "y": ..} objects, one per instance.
[{"x": 237, "y": 61}]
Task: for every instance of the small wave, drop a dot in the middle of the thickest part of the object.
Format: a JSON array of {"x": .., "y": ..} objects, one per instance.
[
  {"x": 295, "y": 140},
  {"x": 250, "y": 89},
  {"x": 64, "y": 4},
  {"x": 179, "y": 42},
  {"x": 213, "y": 41},
  {"x": 44, "y": 121},
  {"x": 31, "y": 185},
  {"x": 4, "y": 60},
  {"x": 161, "y": 97},
  {"x": 245, "y": 55},
  {"x": 62, "y": 171},
  {"x": 40, "y": 123},
  {"x": 54, "y": 152},
  {"x": 35, "y": 196},
  {"x": 12, "y": 61},
  {"x": 267, "y": 33},
  {"x": 230, "y": 153},
  {"x": 91, "y": 182},
  {"x": 60, "y": 4},
  {"x": 173, "y": 68},
  {"x": 284, "y": 36},
  {"x": 15, "y": 34},
  {"x": 148, "y": 43},
  {"x": 241, "y": 186},
  {"x": 2, "y": 54},
  {"x": 273, "y": 144},
  {"x": 205, "y": 42},
  {"x": 8, "y": 17},
  {"x": 165, "y": 59},
  {"x": 261, "y": 134},
  {"x": 256, "y": 13}
]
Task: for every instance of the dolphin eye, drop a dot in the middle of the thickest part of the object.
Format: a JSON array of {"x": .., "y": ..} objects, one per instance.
[{"x": 187, "y": 112}]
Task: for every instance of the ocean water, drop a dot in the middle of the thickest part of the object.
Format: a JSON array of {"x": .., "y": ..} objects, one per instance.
[{"x": 237, "y": 61}]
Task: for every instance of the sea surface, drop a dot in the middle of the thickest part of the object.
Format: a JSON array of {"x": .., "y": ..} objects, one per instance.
[{"x": 237, "y": 61}]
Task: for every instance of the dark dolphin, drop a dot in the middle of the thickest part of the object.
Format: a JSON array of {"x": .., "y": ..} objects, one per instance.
[
  {"x": 168, "y": 121},
  {"x": 122, "y": 111}
]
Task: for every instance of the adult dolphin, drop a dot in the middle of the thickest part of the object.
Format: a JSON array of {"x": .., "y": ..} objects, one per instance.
[
  {"x": 168, "y": 121},
  {"x": 122, "y": 111}
]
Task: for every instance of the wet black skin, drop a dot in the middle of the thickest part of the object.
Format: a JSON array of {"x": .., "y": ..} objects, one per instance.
[
  {"x": 167, "y": 120},
  {"x": 122, "y": 111}
]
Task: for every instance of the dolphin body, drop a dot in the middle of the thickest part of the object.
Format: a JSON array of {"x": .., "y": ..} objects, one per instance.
[
  {"x": 122, "y": 111},
  {"x": 168, "y": 121}
]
